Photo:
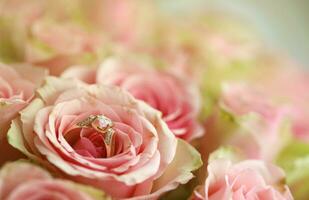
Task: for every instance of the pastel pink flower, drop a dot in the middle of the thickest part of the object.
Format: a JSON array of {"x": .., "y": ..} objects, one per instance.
[
  {"x": 282, "y": 94},
  {"x": 65, "y": 38},
  {"x": 176, "y": 97},
  {"x": 24, "y": 12},
  {"x": 17, "y": 86},
  {"x": 58, "y": 45},
  {"x": 261, "y": 121},
  {"x": 245, "y": 180},
  {"x": 290, "y": 84},
  {"x": 119, "y": 18},
  {"x": 15, "y": 93},
  {"x": 25, "y": 181},
  {"x": 124, "y": 22},
  {"x": 147, "y": 159}
]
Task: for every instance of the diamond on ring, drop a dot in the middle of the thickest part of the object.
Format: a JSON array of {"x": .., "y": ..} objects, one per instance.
[{"x": 102, "y": 122}]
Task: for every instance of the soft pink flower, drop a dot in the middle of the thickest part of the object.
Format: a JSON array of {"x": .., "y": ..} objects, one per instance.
[
  {"x": 24, "y": 12},
  {"x": 57, "y": 45},
  {"x": 25, "y": 181},
  {"x": 125, "y": 22},
  {"x": 147, "y": 159},
  {"x": 15, "y": 93},
  {"x": 246, "y": 180},
  {"x": 119, "y": 19},
  {"x": 17, "y": 86},
  {"x": 65, "y": 38},
  {"x": 261, "y": 121},
  {"x": 176, "y": 97},
  {"x": 290, "y": 85},
  {"x": 274, "y": 100}
]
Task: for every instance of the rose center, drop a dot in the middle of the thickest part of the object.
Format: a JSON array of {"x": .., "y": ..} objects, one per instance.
[{"x": 94, "y": 137}]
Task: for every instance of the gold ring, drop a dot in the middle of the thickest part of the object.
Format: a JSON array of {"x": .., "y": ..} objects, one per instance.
[{"x": 104, "y": 126}]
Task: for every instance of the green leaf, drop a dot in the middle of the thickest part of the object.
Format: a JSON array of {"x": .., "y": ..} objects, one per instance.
[
  {"x": 294, "y": 159},
  {"x": 227, "y": 152},
  {"x": 187, "y": 159},
  {"x": 92, "y": 192},
  {"x": 16, "y": 139}
]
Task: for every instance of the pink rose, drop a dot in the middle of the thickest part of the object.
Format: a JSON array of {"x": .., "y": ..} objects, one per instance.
[
  {"x": 249, "y": 179},
  {"x": 293, "y": 93},
  {"x": 17, "y": 86},
  {"x": 25, "y": 13},
  {"x": 176, "y": 97},
  {"x": 119, "y": 19},
  {"x": 283, "y": 93},
  {"x": 261, "y": 121},
  {"x": 102, "y": 136},
  {"x": 57, "y": 45},
  {"x": 25, "y": 181},
  {"x": 65, "y": 38},
  {"x": 126, "y": 23}
]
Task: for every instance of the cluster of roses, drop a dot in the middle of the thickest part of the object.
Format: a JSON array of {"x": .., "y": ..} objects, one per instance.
[{"x": 112, "y": 99}]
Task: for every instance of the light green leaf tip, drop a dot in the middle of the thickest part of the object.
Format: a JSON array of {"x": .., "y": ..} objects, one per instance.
[
  {"x": 294, "y": 159},
  {"x": 92, "y": 192},
  {"x": 187, "y": 159},
  {"x": 226, "y": 152},
  {"x": 15, "y": 138}
]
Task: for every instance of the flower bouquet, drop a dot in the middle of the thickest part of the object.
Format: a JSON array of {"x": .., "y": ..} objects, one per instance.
[{"x": 105, "y": 99}]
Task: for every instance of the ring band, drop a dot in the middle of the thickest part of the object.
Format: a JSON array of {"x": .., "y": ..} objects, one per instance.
[{"x": 104, "y": 126}]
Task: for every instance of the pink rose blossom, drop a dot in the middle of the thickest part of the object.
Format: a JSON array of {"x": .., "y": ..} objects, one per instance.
[
  {"x": 25, "y": 12},
  {"x": 119, "y": 18},
  {"x": 147, "y": 159},
  {"x": 15, "y": 93},
  {"x": 277, "y": 103},
  {"x": 57, "y": 45},
  {"x": 126, "y": 23},
  {"x": 246, "y": 180},
  {"x": 22, "y": 180},
  {"x": 261, "y": 120},
  {"x": 176, "y": 97},
  {"x": 65, "y": 38},
  {"x": 17, "y": 86},
  {"x": 290, "y": 85}
]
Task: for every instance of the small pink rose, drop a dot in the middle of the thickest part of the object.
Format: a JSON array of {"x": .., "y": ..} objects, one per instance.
[
  {"x": 21, "y": 180},
  {"x": 102, "y": 136},
  {"x": 261, "y": 121},
  {"x": 15, "y": 93},
  {"x": 176, "y": 97},
  {"x": 65, "y": 38},
  {"x": 290, "y": 84},
  {"x": 17, "y": 86},
  {"x": 120, "y": 19},
  {"x": 124, "y": 22},
  {"x": 25, "y": 13},
  {"x": 58, "y": 45},
  {"x": 246, "y": 180}
]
